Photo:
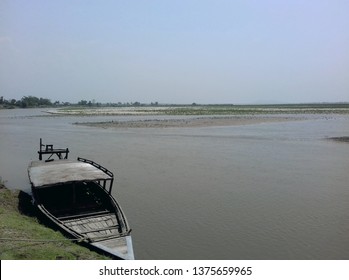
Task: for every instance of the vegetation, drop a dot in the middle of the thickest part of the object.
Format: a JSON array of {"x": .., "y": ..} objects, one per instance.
[
  {"x": 25, "y": 102},
  {"x": 206, "y": 110},
  {"x": 22, "y": 237},
  {"x": 34, "y": 102},
  {"x": 260, "y": 109}
]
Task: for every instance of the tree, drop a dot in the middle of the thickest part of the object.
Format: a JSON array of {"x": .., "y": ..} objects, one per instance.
[
  {"x": 45, "y": 102},
  {"x": 82, "y": 102},
  {"x": 33, "y": 101},
  {"x": 30, "y": 101}
]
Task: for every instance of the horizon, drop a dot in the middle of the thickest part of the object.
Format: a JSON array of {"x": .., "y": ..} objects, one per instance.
[{"x": 94, "y": 103}]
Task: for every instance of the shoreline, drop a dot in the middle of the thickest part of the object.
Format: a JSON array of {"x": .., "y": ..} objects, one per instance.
[
  {"x": 209, "y": 121},
  {"x": 23, "y": 236}
]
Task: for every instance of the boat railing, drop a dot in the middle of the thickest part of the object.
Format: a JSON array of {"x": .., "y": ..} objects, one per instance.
[{"x": 102, "y": 168}]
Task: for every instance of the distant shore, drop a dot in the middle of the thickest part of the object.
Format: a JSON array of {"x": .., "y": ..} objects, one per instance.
[{"x": 204, "y": 110}]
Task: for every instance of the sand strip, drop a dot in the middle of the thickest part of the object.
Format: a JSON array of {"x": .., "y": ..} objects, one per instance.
[{"x": 192, "y": 122}]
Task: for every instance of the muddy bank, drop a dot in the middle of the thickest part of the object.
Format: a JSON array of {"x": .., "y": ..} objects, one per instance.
[
  {"x": 343, "y": 139},
  {"x": 192, "y": 122}
]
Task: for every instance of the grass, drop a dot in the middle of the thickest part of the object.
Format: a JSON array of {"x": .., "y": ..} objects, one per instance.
[
  {"x": 321, "y": 108},
  {"x": 23, "y": 237}
]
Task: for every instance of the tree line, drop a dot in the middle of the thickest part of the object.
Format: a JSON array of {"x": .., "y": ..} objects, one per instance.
[
  {"x": 34, "y": 102},
  {"x": 25, "y": 102}
]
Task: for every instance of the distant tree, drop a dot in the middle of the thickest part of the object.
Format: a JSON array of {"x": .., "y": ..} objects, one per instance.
[
  {"x": 30, "y": 101},
  {"x": 45, "y": 102},
  {"x": 82, "y": 102},
  {"x": 33, "y": 101}
]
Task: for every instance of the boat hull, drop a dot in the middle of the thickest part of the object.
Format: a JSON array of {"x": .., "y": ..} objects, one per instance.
[{"x": 98, "y": 230}]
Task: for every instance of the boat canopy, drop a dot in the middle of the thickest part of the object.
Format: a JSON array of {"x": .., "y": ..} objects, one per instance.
[{"x": 44, "y": 174}]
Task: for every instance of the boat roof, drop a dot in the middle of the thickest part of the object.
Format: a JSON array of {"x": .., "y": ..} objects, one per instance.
[{"x": 43, "y": 173}]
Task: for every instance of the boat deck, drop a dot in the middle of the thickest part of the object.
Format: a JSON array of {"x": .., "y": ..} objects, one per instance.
[{"x": 96, "y": 227}]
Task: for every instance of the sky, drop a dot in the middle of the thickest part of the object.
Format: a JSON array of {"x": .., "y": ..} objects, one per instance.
[{"x": 179, "y": 51}]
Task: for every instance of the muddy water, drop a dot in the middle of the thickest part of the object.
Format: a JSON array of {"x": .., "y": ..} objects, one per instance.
[{"x": 264, "y": 191}]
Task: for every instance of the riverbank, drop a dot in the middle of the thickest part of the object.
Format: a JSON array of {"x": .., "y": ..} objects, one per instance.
[{"x": 23, "y": 237}]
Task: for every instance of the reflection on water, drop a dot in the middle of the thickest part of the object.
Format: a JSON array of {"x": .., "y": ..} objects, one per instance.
[{"x": 267, "y": 191}]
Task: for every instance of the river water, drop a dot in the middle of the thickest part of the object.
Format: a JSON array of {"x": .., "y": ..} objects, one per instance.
[{"x": 261, "y": 191}]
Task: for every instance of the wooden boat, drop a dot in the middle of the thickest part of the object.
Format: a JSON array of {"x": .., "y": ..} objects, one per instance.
[{"x": 76, "y": 196}]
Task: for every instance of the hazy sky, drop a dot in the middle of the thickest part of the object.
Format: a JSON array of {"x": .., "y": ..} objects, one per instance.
[{"x": 179, "y": 51}]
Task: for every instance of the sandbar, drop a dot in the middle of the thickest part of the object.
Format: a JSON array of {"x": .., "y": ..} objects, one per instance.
[{"x": 192, "y": 122}]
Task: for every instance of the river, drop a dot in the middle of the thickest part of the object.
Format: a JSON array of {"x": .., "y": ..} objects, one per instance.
[{"x": 260, "y": 191}]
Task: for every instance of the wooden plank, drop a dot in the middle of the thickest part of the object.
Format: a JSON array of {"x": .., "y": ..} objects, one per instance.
[
  {"x": 88, "y": 215},
  {"x": 99, "y": 230}
]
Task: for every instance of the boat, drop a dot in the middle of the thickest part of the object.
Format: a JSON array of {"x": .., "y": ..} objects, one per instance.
[{"x": 75, "y": 195}]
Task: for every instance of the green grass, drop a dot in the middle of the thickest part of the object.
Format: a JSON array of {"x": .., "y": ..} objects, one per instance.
[
  {"x": 23, "y": 237},
  {"x": 321, "y": 108}
]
